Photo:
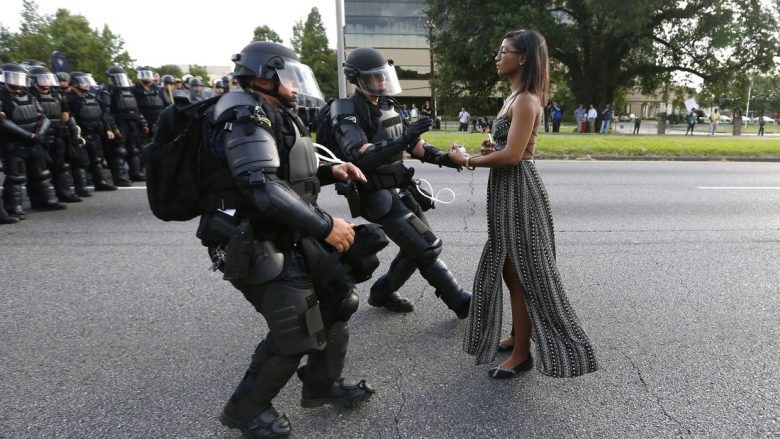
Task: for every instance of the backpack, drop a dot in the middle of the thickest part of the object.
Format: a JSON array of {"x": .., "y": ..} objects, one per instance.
[
  {"x": 325, "y": 128},
  {"x": 174, "y": 171}
]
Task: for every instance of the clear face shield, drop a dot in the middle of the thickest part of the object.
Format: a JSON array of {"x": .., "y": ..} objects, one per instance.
[
  {"x": 85, "y": 82},
  {"x": 381, "y": 81},
  {"x": 299, "y": 78},
  {"x": 47, "y": 80},
  {"x": 146, "y": 75},
  {"x": 16, "y": 79},
  {"x": 120, "y": 80}
]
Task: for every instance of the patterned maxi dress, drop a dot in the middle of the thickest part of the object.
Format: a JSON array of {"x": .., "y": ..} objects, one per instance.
[{"x": 520, "y": 228}]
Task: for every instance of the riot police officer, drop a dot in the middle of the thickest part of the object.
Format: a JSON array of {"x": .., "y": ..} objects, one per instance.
[
  {"x": 131, "y": 126},
  {"x": 24, "y": 128},
  {"x": 270, "y": 161},
  {"x": 63, "y": 140},
  {"x": 371, "y": 133},
  {"x": 168, "y": 86},
  {"x": 147, "y": 95},
  {"x": 196, "y": 90},
  {"x": 5, "y": 218},
  {"x": 95, "y": 124}
]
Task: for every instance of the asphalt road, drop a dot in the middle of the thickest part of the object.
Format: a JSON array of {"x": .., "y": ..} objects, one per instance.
[{"x": 112, "y": 326}]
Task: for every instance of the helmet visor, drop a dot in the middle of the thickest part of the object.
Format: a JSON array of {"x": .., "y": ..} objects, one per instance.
[
  {"x": 85, "y": 80},
  {"x": 121, "y": 79},
  {"x": 18, "y": 79},
  {"x": 381, "y": 81},
  {"x": 47, "y": 80},
  {"x": 299, "y": 78},
  {"x": 145, "y": 75}
]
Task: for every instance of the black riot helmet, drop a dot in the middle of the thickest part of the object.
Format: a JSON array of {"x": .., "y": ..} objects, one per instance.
[
  {"x": 14, "y": 76},
  {"x": 82, "y": 81},
  {"x": 368, "y": 69},
  {"x": 42, "y": 77},
  {"x": 168, "y": 79},
  {"x": 118, "y": 77},
  {"x": 264, "y": 59}
]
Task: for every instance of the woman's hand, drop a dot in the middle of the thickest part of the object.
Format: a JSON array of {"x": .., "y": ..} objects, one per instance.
[
  {"x": 456, "y": 155},
  {"x": 487, "y": 147}
]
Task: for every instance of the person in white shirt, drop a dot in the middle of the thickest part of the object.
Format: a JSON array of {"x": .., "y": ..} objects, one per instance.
[
  {"x": 592, "y": 115},
  {"x": 463, "y": 118}
]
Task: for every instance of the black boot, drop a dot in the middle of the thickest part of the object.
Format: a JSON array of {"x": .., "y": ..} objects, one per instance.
[
  {"x": 439, "y": 276},
  {"x": 5, "y": 218},
  {"x": 119, "y": 173},
  {"x": 136, "y": 170},
  {"x": 80, "y": 182},
  {"x": 384, "y": 292},
  {"x": 341, "y": 393},
  {"x": 63, "y": 186},
  {"x": 249, "y": 408},
  {"x": 42, "y": 194},
  {"x": 267, "y": 424}
]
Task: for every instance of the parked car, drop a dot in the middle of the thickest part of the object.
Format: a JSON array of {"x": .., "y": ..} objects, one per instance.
[
  {"x": 767, "y": 120},
  {"x": 726, "y": 119},
  {"x": 626, "y": 117}
]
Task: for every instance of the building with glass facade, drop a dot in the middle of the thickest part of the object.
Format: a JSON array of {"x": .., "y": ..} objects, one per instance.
[{"x": 398, "y": 29}]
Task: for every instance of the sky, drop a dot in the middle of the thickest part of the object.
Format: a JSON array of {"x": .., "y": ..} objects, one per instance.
[{"x": 171, "y": 32}]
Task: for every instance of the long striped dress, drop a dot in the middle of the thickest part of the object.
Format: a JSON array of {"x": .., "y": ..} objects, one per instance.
[{"x": 520, "y": 227}]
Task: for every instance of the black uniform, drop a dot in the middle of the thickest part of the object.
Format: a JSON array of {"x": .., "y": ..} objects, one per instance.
[
  {"x": 5, "y": 218},
  {"x": 121, "y": 103},
  {"x": 23, "y": 130},
  {"x": 295, "y": 280},
  {"x": 389, "y": 198},
  {"x": 61, "y": 145},
  {"x": 150, "y": 103},
  {"x": 94, "y": 121}
]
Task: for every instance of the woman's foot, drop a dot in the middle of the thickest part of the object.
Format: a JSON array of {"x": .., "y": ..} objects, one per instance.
[
  {"x": 507, "y": 344},
  {"x": 506, "y": 370}
]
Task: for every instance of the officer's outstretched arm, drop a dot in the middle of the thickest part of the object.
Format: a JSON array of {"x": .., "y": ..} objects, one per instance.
[
  {"x": 253, "y": 159},
  {"x": 432, "y": 154}
]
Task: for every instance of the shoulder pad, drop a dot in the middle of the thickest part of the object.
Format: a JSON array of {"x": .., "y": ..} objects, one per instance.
[
  {"x": 342, "y": 107},
  {"x": 231, "y": 100}
]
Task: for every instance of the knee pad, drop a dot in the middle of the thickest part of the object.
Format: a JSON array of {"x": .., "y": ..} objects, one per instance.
[
  {"x": 413, "y": 236},
  {"x": 347, "y": 307},
  {"x": 294, "y": 319}
]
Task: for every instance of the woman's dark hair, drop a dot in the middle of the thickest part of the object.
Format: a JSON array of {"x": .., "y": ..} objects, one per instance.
[{"x": 536, "y": 76}]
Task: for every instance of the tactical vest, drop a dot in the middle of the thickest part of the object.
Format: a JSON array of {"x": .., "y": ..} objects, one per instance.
[
  {"x": 392, "y": 174},
  {"x": 52, "y": 108},
  {"x": 124, "y": 105},
  {"x": 25, "y": 112},
  {"x": 302, "y": 167},
  {"x": 90, "y": 117},
  {"x": 150, "y": 102}
]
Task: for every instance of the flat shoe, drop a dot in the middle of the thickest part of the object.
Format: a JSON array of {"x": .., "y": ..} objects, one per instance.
[
  {"x": 499, "y": 373},
  {"x": 502, "y": 348}
]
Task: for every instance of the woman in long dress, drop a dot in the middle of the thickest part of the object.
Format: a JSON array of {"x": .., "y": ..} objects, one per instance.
[{"x": 521, "y": 244}]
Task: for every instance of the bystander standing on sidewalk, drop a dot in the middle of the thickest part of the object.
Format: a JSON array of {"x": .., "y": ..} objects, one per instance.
[
  {"x": 606, "y": 120},
  {"x": 637, "y": 123},
  {"x": 714, "y": 119},
  {"x": 579, "y": 114},
  {"x": 592, "y": 115},
  {"x": 761, "y": 123},
  {"x": 691, "y": 119}
]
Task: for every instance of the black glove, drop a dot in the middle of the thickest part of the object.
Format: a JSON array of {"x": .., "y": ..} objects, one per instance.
[
  {"x": 413, "y": 131},
  {"x": 444, "y": 160}
]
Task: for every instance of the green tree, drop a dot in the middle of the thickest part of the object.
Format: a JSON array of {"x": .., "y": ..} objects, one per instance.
[
  {"x": 196, "y": 70},
  {"x": 265, "y": 33},
  {"x": 170, "y": 69},
  {"x": 606, "y": 45},
  {"x": 7, "y": 45},
  {"x": 311, "y": 43},
  {"x": 32, "y": 41}
]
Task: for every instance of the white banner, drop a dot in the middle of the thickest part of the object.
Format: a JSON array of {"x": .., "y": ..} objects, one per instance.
[{"x": 691, "y": 103}]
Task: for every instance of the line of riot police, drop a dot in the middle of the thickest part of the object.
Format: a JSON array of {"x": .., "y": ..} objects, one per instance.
[{"x": 59, "y": 131}]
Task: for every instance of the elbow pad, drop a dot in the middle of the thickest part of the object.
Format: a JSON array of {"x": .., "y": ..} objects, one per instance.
[
  {"x": 277, "y": 200},
  {"x": 15, "y": 130},
  {"x": 249, "y": 149}
]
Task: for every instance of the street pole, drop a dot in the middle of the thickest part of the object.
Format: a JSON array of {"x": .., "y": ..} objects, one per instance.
[
  {"x": 430, "y": 54},
  {"x": 750, "y": 91},
  {"x": 340, "y": 48}
]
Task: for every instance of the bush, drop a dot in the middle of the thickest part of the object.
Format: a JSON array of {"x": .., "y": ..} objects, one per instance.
[{"x": 676, "y": 118}]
